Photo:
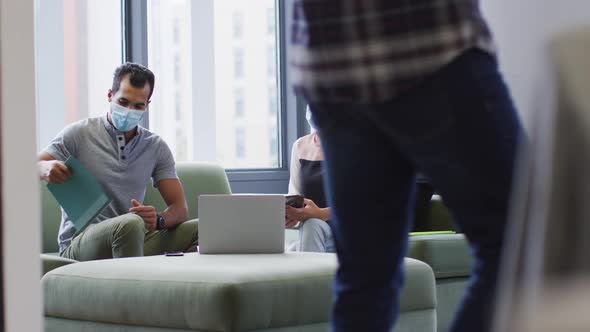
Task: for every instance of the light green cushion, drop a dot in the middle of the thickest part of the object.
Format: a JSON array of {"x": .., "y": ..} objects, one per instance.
[
  {"x": 197, "y": 179},
  {"x": 447, "y": 254},
  {"x": 213, "y": 292}
]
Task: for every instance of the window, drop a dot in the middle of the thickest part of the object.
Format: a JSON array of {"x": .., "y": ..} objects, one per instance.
[
  {"x": 224, "y": 49},
  {"x": 77, "y": 48}
]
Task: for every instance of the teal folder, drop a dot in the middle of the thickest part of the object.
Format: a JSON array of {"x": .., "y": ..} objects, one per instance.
[{"x": 81, "y": 196}]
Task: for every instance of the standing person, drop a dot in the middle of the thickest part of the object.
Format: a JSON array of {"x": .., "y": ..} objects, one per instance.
[
  {"x": 306, "y": 177},
  {"x": 123, "y": 156},
  {"x": 398, "y": 87}
]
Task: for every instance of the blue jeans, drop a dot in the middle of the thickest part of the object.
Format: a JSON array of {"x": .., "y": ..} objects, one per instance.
[
  {"x": 315, "y": 235},
  {"x": 460, "y": 129}
]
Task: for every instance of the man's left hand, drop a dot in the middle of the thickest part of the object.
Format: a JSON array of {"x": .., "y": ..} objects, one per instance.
[{"x": 146, "y": 212}]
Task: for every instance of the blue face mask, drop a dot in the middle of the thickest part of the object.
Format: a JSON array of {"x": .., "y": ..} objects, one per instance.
[{"x": 125, "y": 119}]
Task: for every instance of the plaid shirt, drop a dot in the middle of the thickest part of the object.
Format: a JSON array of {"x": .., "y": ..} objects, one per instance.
[{"x": 367, "y": 51}]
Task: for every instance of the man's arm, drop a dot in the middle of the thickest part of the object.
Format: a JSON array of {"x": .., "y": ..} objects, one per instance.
[
  {"x": 177, "y": 211},
  {"x": 51, "y": 170}
]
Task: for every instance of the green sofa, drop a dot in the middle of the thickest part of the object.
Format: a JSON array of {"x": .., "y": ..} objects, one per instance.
[
  {"x": 281, "y": 293},
  {"x": 197, "y": 179}
]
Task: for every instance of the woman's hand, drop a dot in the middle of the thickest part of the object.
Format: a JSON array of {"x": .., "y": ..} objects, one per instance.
[
  {"x": 309, "y": 210},
  {"x": 290, "y": 223}
]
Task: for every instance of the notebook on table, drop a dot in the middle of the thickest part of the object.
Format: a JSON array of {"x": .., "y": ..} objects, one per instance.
[
  {"x": 81, "y": 196},
  {"x": 241, "y": 224}
]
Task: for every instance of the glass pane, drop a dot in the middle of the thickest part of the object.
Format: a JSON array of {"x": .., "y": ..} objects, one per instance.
[
  {"x": 216, "y": 95},
  {"x": 78, "y": 47}
]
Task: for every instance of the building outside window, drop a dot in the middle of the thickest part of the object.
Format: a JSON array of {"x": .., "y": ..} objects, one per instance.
[
  {"x": 240, "y": 146},
  {"x": 238, "y": 63},
  {"x": 239, "y": 102},
  {"x": 238, "y": 24},
  {"x": 226, "y": 48},
  {"x": 272, "y": 101},
  {"x": 271, "y": 19},
  {"x": 77, "y": 48}
]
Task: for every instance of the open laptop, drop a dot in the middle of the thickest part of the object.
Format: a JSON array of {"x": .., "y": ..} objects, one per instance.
[{"x": 241, "y": 224}]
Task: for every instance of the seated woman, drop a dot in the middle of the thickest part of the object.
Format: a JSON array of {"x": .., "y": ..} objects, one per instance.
[{"x": 306, "y": 178}]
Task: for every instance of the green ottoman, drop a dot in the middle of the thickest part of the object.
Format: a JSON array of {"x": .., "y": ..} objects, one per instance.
[{"x": 285, "y": 292}]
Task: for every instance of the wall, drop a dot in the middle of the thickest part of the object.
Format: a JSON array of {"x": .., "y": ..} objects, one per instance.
[
  {"x": 522, "y": 29},
  {"x": 20, "y": 219}
]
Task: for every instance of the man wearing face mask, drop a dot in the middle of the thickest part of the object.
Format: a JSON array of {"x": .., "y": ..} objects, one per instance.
[{"x": 122, "y": 156}]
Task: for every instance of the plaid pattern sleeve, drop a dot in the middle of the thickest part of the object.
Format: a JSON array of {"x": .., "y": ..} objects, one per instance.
[{"x": 366, "y": 51}]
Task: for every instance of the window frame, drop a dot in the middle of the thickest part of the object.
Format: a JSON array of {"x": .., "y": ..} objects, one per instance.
[{"x": 291, "y": 110}]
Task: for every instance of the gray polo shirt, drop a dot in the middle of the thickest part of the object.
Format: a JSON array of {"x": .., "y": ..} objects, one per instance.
[{"x": 122, "y": 169}]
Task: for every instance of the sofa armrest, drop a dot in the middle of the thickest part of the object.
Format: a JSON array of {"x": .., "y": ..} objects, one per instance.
[
  {"x": 447, "y": 254},
  {"x": 418, "y": 292},
  {"x": 53, "y": 261}
]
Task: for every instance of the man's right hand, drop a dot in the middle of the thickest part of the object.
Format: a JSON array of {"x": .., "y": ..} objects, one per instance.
[{"x": 54, "y": 171}]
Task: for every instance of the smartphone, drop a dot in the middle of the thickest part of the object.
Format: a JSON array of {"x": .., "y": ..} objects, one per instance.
[
  {"x": 174, "y": 253},
  {"x": 295, "y": 201}
]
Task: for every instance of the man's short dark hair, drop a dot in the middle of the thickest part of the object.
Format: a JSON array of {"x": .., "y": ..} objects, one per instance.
[{"x": 138, "y": 76}]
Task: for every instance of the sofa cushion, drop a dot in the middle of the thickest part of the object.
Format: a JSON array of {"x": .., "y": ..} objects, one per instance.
[
  {"x": 212, "y": 292},
  {"x": 197, "y": 179},
  {"x": 447, "y": 254}
]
